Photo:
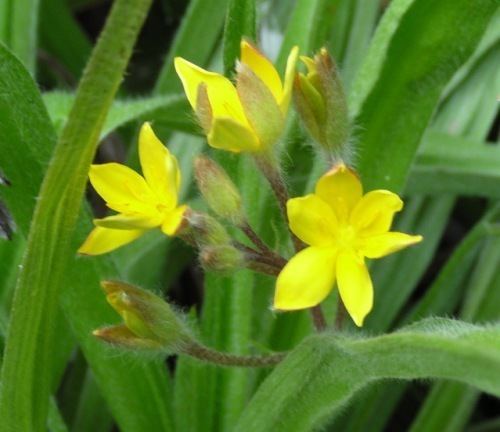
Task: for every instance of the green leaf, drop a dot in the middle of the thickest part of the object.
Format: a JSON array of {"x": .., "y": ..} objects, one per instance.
[
  {"x": 240, "y": 22},
  {"x": 32, "y": 336},
  {"x": 195, "y": 40},
  {"x": 169, "y": 111},
  {"x": 419, "y": 58},
  {"x": 62, "y": 38},
  {"x": 449, "y": 405},
  {"x": 351, "y": 31},
  {"x": 19, "y": 29},
  {"x": 453, "y": 165},
  {"x": 24, "y": 125},
  {"x": 325, "y": 371},
  {"x": 228, "y": 305},
  {"x": 302, "y": 29}
]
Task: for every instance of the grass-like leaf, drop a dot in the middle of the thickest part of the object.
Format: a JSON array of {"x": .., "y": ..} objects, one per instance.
[
  {"x": 31, "y": 337},
  {"x": 418, "y": 60}
]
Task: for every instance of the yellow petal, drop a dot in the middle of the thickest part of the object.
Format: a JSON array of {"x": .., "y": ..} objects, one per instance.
[
  {"x": 122, "y": 188},
  {"x": 355, "y": 285},
  {"x": 312, "y": 220},
  {"x": 173, "y": 220},
  {"x": 341, "y": 189},
  {"x": 159, "y": 167},
  {"x": 289, "y": 77},
  {"x": 377, "y": 246},
  {"x": 306, "y": 280},
  {"x": 229, "y": 135},
  {"x": 373, "y": 214},
  {"x": 263, "y": 68},
  {"x": 221, "y": 92},
  {"x": 103, "y": 240},
  {"x": 130, "y": 222}
]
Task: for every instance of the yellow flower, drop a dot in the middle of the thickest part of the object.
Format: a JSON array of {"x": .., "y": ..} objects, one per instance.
[
  {"x": 248, "y": 116},
  {"x": 342, "y": 227},
  {"x": 142, "y": 203}
]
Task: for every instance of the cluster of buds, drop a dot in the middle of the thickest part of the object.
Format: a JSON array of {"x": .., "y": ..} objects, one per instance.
[
  {"x": 333, "y": 229},
  {"x": 217, "y": 251}
]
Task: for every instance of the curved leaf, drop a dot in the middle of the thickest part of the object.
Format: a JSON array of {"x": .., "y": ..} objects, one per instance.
[{"x": 325, "y": 371}]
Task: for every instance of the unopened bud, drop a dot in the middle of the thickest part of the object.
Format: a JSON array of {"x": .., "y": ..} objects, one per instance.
[
  {"x": 148, "y": 321},
  {"x": 206, "y": 231},
  {"x": 219, "y": 191},
  {"x": 221, "y": 258},
  {"x": 260, "y": 106},
  {"x": 322, "y": 105}
]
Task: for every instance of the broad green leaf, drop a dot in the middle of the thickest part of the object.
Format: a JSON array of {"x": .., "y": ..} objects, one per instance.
[
  {"x": 20, "y": 101},
  {"x": 325, "y": 371},
  {"x": 424, "y": 51},
  {"x": 31, "y": 334}
]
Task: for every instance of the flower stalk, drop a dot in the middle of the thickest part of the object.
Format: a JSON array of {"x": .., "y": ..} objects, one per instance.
[{"x": 209, "y": 355}]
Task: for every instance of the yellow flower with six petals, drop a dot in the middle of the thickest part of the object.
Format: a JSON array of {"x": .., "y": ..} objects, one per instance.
[
  {"x": 342, "y": 227},
  {"x": 142, "y": 203},
  {"x": 248, "y": 116}
]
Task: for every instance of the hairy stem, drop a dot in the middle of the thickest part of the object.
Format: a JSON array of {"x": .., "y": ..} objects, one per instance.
[
  {"x": 275, "y": 179},
  {"x": 255, "y": 238},
  {"x": 341, "y": 312},
  {"x": 318, "y": 318},
  {"x": 209, "y": 355}
]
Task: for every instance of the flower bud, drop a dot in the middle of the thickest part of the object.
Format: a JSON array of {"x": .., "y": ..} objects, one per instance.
[
  {"x": 206, "y": 230},
  {"x": 221, "y": 258},
  {"x": 219, "y": 191},
  {"x": 321, "y": 103},
  {"x": 260, "y": 106},
  {"x": 149, "y": 321}
]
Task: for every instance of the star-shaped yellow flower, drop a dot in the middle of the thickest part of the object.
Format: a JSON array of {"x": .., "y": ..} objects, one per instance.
[
  {"x": 248, "y": 116},
  {"x": 142, "y": 203},
  {"x": 342, "y": 227}
]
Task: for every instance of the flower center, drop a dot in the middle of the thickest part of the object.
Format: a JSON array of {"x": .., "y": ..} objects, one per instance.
[{"x": 346, "y": 237}]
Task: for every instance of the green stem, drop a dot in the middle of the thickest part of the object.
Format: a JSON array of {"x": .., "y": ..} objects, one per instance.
[
  {"x": 26, "y": 373},
  {"x": 268, "y": 167}
]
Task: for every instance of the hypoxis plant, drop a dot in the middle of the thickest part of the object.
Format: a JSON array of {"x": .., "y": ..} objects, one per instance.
[
  {"x": 395, "y": 81},
  {"x": 333, "y": 229}
]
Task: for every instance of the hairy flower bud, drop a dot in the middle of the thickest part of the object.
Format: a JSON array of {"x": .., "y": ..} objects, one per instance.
[
  {"x": 321, "y": 103},
  {"x": 221, "y": 258},
  {"x": 206, "y": 231},
  {"x": 148, "y": 321},
  {"x": 219, "y": 191}
]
